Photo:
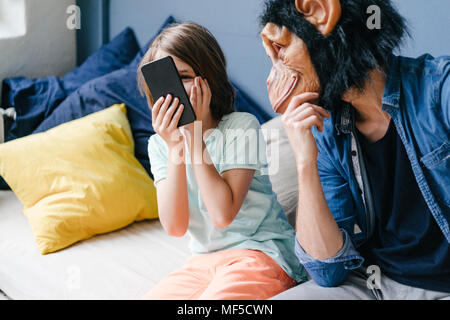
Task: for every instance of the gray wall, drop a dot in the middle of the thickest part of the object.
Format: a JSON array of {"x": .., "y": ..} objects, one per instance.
[
  {"x": 429, "y": 23},
  {"x": 234, "y": 23}
]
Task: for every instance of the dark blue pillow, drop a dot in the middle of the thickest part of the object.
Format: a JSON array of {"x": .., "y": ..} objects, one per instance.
[
  {"x": 113, "y": 56},
  {"x": 35, "y": 99}
]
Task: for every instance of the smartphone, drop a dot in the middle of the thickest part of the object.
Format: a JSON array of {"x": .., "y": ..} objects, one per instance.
[{"x": 162, "y": 78}]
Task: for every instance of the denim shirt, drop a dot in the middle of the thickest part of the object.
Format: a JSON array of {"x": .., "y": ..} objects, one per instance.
[{"x": 417, "y": 97}]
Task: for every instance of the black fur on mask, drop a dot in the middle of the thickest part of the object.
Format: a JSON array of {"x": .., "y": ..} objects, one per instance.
[{"x": 343, "y": 58}]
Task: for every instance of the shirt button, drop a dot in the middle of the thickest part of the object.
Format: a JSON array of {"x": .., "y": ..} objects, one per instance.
[{"x": 354, "y": 153}]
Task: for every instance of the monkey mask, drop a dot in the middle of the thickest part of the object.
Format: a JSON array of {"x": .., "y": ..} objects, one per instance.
[{"x": 325, "y": 46}]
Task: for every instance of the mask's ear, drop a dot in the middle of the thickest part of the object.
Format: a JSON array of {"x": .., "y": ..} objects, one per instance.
[{"x": 323, "y": 14}]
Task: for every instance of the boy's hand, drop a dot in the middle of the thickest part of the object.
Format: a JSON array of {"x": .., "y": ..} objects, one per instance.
[
  {"x": 200, "y": 98},
  {"x": 165, "y": 118}
]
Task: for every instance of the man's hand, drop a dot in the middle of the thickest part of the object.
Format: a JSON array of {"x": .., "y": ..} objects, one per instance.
[
  {"x": 300, "y": 116},
  {"x": 317, "y": 231}
]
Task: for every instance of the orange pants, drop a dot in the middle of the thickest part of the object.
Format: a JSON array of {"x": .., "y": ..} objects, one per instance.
[{"x": 225, "y": 275}]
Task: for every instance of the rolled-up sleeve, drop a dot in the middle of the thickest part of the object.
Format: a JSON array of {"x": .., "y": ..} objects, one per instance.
[
  {"x": 337, "y": 191},
  {"x": 332, "y": 271}
]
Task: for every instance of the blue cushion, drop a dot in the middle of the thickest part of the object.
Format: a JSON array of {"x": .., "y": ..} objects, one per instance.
[
  {"x": 113, "y": 56},
  {"x": 35, "y": 99}
]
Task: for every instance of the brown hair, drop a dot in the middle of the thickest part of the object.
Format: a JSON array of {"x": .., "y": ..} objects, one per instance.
[{"x": 196, "y": 46}]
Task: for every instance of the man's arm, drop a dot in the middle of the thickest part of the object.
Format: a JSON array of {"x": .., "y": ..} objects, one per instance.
[
  {"x": 318, "y": 232},
  {"x": 323, "y": 248}
]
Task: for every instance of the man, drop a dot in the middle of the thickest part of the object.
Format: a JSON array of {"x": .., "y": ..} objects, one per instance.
[{"x": 370, "y": 132}]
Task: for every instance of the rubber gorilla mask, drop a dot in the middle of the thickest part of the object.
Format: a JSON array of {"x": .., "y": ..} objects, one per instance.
[
  {"x": 325, "y": 46},
  {"x": 289, "y": 75}
]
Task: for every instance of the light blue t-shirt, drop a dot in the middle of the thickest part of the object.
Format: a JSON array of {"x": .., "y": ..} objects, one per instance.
[{"x": 261, "y": 224}]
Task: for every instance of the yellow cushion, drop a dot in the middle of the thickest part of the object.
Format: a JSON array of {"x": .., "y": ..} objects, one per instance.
[{"x": 79, "y": 179}]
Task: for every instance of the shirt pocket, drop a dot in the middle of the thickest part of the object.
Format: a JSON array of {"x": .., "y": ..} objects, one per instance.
[{"x": 437, "y": 172}]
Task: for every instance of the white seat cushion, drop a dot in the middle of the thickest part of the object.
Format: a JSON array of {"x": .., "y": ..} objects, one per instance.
[
  {"x": 123, "y": 264},
  {"x": 282, "y": 169}
]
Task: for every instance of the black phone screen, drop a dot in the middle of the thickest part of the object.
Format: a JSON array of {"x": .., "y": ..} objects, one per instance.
[{"x": 162, "y": 78}]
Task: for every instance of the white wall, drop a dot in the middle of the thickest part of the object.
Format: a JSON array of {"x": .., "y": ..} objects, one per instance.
[{"x": 43, "y": 47}]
